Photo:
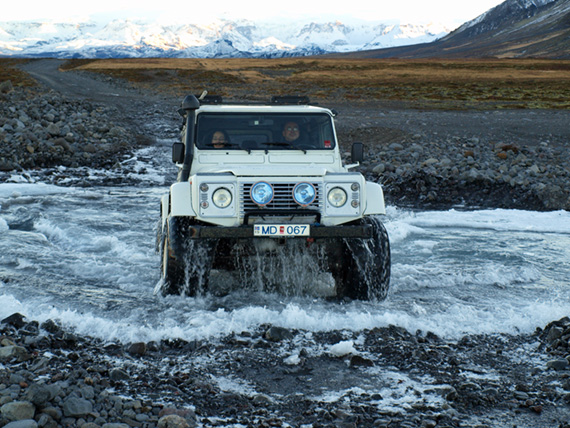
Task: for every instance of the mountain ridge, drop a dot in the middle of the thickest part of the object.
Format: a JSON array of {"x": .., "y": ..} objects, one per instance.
[
  {"x": 221, "y": 38},
  {"x": 513, "y": 29}
]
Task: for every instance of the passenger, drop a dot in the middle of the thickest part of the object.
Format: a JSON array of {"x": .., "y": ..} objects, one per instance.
[
  {"x": 220, "y": 140},
  {"x": 291, "y": 132}
]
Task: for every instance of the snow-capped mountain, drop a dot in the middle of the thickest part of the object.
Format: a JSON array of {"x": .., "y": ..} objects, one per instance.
[
  {"x": 508, "y": 12},
  {"x": 513, "y": 29},
  {"x": 221, "y": 38}
]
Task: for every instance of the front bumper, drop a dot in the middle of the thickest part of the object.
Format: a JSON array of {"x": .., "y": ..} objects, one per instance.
[{"x": 245, "y": 232}]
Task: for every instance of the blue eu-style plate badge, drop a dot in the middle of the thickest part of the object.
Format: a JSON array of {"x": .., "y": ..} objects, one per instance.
[{"x": 281, "y": 230}]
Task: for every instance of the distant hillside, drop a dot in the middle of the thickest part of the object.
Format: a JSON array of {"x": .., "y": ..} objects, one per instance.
[{"x": 514, "y": 29}]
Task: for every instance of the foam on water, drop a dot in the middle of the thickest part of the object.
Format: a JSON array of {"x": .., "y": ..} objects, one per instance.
[
  {"x": 15, "y": 190},
  {"x": 453, "y": 272},
  {"x": 197, "y": 322},
  {"x": 498, "y": 219}
]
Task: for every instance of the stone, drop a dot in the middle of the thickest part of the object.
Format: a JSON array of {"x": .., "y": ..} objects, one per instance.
[
  {"x": 430, "y": 161},
  {"x": 76, "y": 407},
  {"x": 62, "y": 142},
  {"x": 25, "y": 423},
  {"x": 379, "y": 169},
  {"x": 553, "y": 334},
  {"x": 137, "y": 349},
  {"x": 558, "y": 365},
  {"x": 173, "y": 421},
  {"x": 38, "y": 394},
  {"x": 277, "y": 334},
  {"x": 396, "y": 147},
  {"x": 358, "y": 361},
  {"x": 53, "y": 130},
  {"x": 16, "y": 320},
  {"x": 119, "y": 375},
  {"x": 6, "y": 87},
  {"x": 50, "y": 326},
  {"x": 18, "y": 352},
  {"x": 18, "y": 410}
]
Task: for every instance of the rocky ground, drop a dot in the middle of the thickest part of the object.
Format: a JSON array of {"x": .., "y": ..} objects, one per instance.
[
  {"x": 439, "y": 159},
  {"x": 425, "y": 159},
  {"x": 50, "y": 377}
]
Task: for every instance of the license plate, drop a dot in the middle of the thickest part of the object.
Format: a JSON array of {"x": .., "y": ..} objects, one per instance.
[{"x": 280, "y": 230}]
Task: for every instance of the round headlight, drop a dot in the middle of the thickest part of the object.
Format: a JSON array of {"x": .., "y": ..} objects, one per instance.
[
  {"x": 261, "y": 193},
  {"x": 222, "y": 197},
  {"x": 337, "y": 197},
  {"x": 304, "y": 194}
]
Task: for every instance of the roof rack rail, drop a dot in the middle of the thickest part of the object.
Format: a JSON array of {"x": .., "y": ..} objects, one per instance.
[
  {"x": 290, "y": 99},
  {"x": 210, "y": 99}
]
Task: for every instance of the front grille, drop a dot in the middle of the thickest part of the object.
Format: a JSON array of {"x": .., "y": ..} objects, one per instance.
[{"x": 282, "y": 198}]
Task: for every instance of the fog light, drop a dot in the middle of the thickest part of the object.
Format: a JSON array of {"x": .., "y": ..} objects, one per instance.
[
  {"x": 261, "y": 193},
  {"x": 304, "y": 194}
]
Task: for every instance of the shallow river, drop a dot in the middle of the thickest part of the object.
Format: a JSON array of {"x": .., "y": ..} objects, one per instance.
[{"x": 86, "y": 256}]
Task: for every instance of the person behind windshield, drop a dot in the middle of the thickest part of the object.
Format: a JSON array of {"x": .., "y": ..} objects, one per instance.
[
  {"x": 291, "y": 132},
  {"x": 220, "y": 140}
]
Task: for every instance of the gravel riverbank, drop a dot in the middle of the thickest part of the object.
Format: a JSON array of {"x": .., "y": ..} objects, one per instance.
[
  {"x": 52, "y": 378},
  {"x": 418, "y": 167}
]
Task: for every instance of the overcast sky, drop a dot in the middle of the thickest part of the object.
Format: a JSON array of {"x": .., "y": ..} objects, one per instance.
[{"x": 192, "y": 11}]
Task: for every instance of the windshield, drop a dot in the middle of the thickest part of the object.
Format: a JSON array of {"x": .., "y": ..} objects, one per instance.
[{"x": 261, "y": 131}]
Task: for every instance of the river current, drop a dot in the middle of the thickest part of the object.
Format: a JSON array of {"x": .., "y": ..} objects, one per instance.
[{"x": 85, "y": 255}]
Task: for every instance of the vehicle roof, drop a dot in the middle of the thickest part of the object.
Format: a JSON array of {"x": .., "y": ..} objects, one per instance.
[{"x": 237, "y": 108}]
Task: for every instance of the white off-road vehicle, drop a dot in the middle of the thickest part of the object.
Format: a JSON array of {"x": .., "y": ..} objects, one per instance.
[{"x": 254, "y": 178}]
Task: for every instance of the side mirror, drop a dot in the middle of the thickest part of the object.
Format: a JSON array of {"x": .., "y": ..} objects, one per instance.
[
  {"x": 357, "y": 153},
  {"x": 178, "y": 153}
]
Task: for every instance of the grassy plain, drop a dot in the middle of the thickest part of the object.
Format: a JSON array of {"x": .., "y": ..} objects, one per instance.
[
  {"x": 9, "y": 71},
  {"x": 449, "y": 84}
]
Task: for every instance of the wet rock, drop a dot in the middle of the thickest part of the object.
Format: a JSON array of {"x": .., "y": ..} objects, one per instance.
[
  {"x": 278, "y": 334},
  {"x": 558, "y": 365},
  {"x": 50, "y": 326},
  {"x": 137, "y": 349},
  {"x": 14, "y": 352},
  {"x": 118, "y": 375},
  {"x": 359, "y": 361},
  {"x": 16, "y": 320}
]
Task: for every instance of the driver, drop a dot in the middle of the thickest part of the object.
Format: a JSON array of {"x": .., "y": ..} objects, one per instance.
[{"x": 291, "y": 132}]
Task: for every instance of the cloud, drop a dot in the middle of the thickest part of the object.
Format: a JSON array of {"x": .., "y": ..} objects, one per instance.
[{"x": 415, "y": 11}]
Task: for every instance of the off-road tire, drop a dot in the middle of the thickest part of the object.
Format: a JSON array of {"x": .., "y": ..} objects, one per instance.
[
  {"x": 185, "y": 263},
  {"x": 364, "y": 270}
]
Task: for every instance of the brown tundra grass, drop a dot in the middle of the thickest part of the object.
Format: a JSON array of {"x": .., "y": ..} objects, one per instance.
[{"x": 450, "y": 84}]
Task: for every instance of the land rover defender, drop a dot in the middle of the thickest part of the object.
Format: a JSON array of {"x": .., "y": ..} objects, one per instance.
[{"x": 256, "y": 177}]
